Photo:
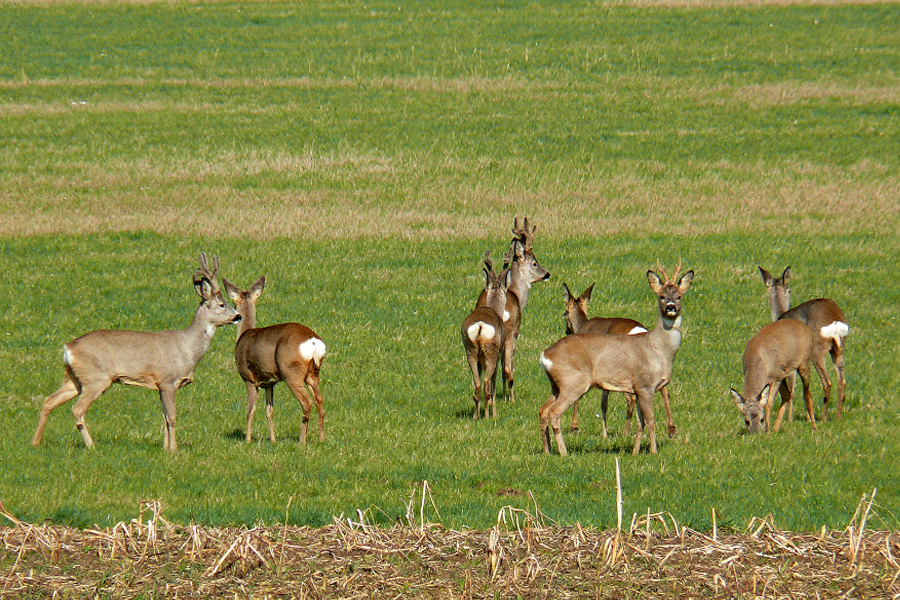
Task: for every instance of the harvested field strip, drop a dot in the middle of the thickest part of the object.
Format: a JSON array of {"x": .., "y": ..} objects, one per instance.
[{"x": 521, "y": 556}]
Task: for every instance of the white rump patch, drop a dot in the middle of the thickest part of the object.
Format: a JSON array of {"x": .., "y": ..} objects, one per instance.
[
  {"x": 67, "y": 356},
  {"x": 505, "y": 316},
  {"x": 481, "y": 331},
  {"x": 637, "y": 329},
  {"x": 313, "y": 349},
  {"x": 837, "y": 331},
  {"x": 546, "y": 362}
]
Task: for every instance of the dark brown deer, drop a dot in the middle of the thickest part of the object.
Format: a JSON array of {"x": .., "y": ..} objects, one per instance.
[
  {"x": 162, "y": 361},
  {"x": 638, "y": 364},
  {"x": 773, "y": 355},
  {"x": 828, "y": 324},
  {"x": 578, "y": 322},
  {"x": 483, "y": 333},
  {"x": 287, "y": 352}
]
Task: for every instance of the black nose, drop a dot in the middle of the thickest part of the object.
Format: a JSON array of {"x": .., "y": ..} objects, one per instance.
[{"x": 236, "y": 318}]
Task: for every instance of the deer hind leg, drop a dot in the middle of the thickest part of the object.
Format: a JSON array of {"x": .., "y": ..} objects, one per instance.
[
  {"x": 837, "y": 357},
  {"x": 491, "y": 365},
  {"x": 475, "y": 366},
  {"x": 89, "y": 392},
  {"x": 807, "y": 396},
  {"x": 790, "y": 381},
  {"x": 573, "y": 428},
  {"x": 252, "y": 397},
  {"x": 544, "y": 415},
  {"x": 270, "y": 412},
  {"x": 68, "y": 390},
  {"x": 604, "y": 406},
  {"x": 295, "y": 381},
  {"x": 560, "y": 405},
  {"x": 312, "y": 382},
  {"x": 670, "y": 423},
  {"x": 821, "y": 349},
  {"x": 508, "y": 356}
]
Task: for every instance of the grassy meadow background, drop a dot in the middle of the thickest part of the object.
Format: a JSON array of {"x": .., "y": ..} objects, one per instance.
[{"x": 363, "y": 156}]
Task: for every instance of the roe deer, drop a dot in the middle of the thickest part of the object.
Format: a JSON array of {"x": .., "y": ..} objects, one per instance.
[
  {"x": 162, "y": 361},
  {"x": 771, "y": 356},
  {"x": 577, "y": 322},
  {"x": 483, "y": 333},
  {"x": 638, "y": 364},
  {"x": 524, "y": 270},
  {"x": 828, "y": 324},
  {"x": 288, "y": 352}
]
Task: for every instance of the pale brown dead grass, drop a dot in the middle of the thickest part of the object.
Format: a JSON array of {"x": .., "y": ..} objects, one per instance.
[
  {"x": 521, "y": 556},
  {"x": 194, "y": 198}
]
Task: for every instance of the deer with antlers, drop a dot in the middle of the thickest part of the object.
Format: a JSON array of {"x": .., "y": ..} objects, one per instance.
[
  {"x": 288, "y": 352},
  {"x": 524, "y": 270},
  {"x": 162, "y": 361},
  {"x": 638, "y": 364},
  {"x": 828, "y": 324},
  {"x": 483, "y": 334},
  {"x": 578, "y": 322}
]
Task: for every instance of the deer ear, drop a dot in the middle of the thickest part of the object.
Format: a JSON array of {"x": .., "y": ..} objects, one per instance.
[
  {"x": 684, "y": 282},
  {"x": 257, "y": 288},
  {"x": 655, "y": 284},
  {"x": 586, "y": 296},
  {"x": 233, "y": 292},
  {"x": 568, "y": 293},
  {"x": 767, "y": 278},
  {"x": 786, "y": 275},
  {"x": 203, "y": 288},
  {"x": 738, "y": 400},
  {"x": 764, "y": 397}
]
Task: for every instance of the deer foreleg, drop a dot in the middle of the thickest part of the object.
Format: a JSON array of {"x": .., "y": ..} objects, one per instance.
[
  {"x": 604, "y": 406},
  {"x": 252, "y": 396},
  {"x": 574, "y": 426},
  {"x": 807, "y": 396},
  {"x": 670, "y": 423},
  {"x": 167, "y": 396},
  {"x": 645, "y": 414},
  {"x": 270, "y": 411}
]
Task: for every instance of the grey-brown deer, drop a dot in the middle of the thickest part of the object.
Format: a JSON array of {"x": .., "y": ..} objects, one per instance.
[
  {"x": 524, "y": 270},
  {"x": 773, "y": 355},
  {"x": 828, "y": 324},
  {"x": 577, "y": 321},
  {"x": 483, "y": 333},
  {"x": 638, "y": 364},
  {"x": 288, "y": 352},
  {"x": 163, "y": 361}
]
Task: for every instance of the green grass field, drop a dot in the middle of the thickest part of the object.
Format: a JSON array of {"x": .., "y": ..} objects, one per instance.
[{"x": 363, "y": 157}]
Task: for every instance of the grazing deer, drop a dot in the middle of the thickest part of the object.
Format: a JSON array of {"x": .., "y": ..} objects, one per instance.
[
  {"x": 771, "y": 356},
  {"x": 483, "y": 333},
  {"x": 577, "y": 322},
  {"x": 637, "y": 364},
  {"x": 288, "y": 352},
  {"x": 162, "y": 361},
  {"x": 524, "y": 270},
  {"x": 828, "y": 324}
]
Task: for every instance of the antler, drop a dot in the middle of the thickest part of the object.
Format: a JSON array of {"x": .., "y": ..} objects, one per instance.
[
  {"x": 204, "y": 272},
  {"x": 524, "y": 234},
  {"x": 663, "y": 271}
]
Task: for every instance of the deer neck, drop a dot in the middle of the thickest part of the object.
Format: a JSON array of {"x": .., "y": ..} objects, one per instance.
[
  {"x": 666, "y": 336},
  {"x": 519, "y": 284},
  {"x": 247, "y": 310},
  {"x": 779, "y": 301}
]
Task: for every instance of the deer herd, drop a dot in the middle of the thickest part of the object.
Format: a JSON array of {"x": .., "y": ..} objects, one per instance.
[{"x": 613, "y": 354}]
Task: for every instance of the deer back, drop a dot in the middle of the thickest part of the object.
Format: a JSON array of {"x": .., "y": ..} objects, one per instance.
[{"x": 777, "y": 350}]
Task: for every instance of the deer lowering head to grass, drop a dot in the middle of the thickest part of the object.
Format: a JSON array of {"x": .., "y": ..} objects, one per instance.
[
  {"x": 162, "y": 361},
  {"x": 637, "y": 364},
  {"x": 483, "y": 333},
  {"x": 828, "y": 324},
  {"x": 524, "y": 270},
  {"x": 578, "y": 322},
  {"x": 770, "y": 358},
  {"x": 288, "y": 352}
]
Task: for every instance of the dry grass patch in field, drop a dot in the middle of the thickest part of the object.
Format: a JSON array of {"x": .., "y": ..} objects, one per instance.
[{"x": 520, "y": 556}]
